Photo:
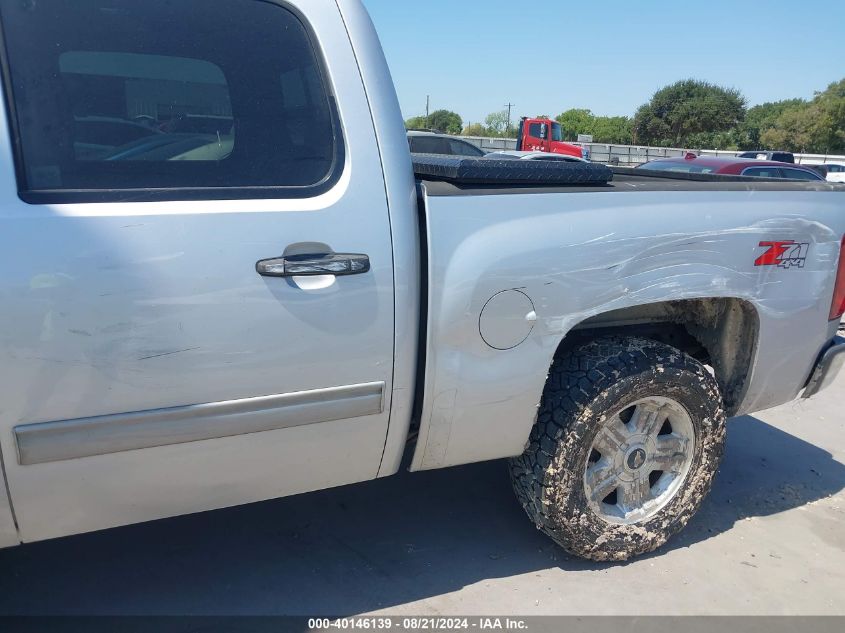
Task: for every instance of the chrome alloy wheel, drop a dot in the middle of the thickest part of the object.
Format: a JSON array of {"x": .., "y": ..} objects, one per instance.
[{"x": 638, "y": 460}]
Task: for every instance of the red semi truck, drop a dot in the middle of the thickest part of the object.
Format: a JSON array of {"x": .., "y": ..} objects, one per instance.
[{"x": 545, "y": 135}]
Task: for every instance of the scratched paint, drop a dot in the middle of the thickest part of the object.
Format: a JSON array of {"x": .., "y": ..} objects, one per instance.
[{"x": 581, "y": 255}]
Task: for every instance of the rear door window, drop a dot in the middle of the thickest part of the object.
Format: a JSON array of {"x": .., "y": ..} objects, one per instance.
[
  {"x": 799, "y": 174},
  {"x": 430, "y": 145},
  {"x": 462, "y": 148},
  {"x": 187, "y": 99},
  {"x": 762, "y": 172}
]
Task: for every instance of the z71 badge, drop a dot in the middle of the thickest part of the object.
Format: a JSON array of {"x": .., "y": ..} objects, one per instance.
[{"x": 784, "y": 254}]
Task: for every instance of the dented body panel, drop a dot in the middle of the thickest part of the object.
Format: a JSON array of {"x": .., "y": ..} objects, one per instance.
[
  {"x": 148, "y": 368},
  {"x": 580, "y": 255}
]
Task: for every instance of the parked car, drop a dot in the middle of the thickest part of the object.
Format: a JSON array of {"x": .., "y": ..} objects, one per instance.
[
  {"x": 97, "y": 136},
  {"x": 545, "y": 156},
  {"x": 434, "y": 143},
  {"x": 290, "y": 309},
  {"x": 780, "y": 157},
  {"x": 732, "y": 166},
  {"x": 833, "y": 172}
]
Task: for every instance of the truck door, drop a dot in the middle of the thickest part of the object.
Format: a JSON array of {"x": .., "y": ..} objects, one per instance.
[
  {"x": 538, "y": 136},
  {"x": 197, "y": 283}
]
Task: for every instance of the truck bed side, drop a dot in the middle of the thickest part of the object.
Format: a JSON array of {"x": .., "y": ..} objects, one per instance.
[{"x": 508, "y": 264}]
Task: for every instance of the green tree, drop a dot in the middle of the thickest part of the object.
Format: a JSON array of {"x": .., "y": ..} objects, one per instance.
[
  {"x": 792, "y": 131},
  {"x": 686, "y": 108},
  {"x": 475, "y": 129},
  {"x": 761, "y": 118},
  {"x": 446, "y": 121},
  {"x": 574, "y": 122},
  {"x": 604, "y": 129},
  {"x": 817, "y": 126},
  {"x": 728, "y": 140},
  {"x": 442, "y": 120},
  {"x": 497, "y": 123},
  {"x": 416, "y": 123},
  {"x": 827, "y": 111},
  {"x": 613, "y": 129}
]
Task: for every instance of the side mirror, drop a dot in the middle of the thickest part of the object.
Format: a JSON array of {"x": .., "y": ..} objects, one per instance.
[{"x": 543, "y": 132}]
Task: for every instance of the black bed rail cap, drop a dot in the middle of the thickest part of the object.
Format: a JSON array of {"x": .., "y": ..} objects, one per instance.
[{"x": 462, "y": 170}]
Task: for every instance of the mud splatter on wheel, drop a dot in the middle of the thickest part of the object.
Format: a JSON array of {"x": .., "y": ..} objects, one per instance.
[{"x": 628, "y": 438}]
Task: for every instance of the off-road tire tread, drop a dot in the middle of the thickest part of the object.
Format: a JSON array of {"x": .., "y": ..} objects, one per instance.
[{"x": 575, "y": 380}]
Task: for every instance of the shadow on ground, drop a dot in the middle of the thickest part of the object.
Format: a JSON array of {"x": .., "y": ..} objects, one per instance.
[{"x": 368, "y": 546}]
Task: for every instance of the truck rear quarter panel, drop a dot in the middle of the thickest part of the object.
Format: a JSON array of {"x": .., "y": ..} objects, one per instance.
[{"x": 577, "y": 255}]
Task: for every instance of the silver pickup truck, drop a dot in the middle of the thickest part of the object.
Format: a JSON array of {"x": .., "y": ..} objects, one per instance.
[{"x": 222, "y": 282}]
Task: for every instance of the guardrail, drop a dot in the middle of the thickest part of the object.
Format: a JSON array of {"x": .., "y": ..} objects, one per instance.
[{"x": 629, "y": 155}]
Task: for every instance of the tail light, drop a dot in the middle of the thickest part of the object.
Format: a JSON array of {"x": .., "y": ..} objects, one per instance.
[{"x": 837, "y": 308}]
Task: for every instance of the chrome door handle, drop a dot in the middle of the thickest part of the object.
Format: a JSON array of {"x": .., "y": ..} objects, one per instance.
[{"x": 338, "y": 264}]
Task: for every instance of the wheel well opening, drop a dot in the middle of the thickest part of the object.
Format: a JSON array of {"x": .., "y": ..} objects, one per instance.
[{"x": 720, "y": 333}]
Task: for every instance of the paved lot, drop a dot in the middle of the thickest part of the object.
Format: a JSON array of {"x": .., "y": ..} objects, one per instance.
[{"x": 770, "y": 539}]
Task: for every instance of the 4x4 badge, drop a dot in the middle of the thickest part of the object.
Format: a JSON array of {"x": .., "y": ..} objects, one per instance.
[{"x": 785, "y": 254}]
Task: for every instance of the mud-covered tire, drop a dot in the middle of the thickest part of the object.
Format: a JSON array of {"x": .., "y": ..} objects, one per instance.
[{"x": 586, "y": 385}]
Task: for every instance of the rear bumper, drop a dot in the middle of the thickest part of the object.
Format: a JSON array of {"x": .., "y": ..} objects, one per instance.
[{"x": 827, "y": 367}]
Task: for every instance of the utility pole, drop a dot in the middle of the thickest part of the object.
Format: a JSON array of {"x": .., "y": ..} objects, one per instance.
[
  {"x": 509, "y": 106},
  {"x": 427, "y": 101}
]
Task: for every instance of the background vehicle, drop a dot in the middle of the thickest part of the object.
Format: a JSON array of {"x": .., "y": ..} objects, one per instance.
[
  {"x": 433, "y": 143},
  {"x": 732, "y": 166},
  {"x": 781, "y": 157},
  {"x": 293, "y": 303},
  {"x": 94, "y": 133},
  {"x": 545, "y": 135},
  {"x": 834, "y": 172},
  {"x": 517, "y": 155}
]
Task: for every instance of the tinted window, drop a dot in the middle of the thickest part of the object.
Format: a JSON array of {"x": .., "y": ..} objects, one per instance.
[
  {"x": 462, "y": 148},
  {"x": 762, "y": 172},
  {"x": 534, "y": 130},
  {"x": 557, "y": 132},
  {"x": 799, "y": 174},
  {"x": 429, "y": 145},
  {"x": 443, "y": 145},
  {"x": 127, "y": 95},
  {"x": 783, "y": 157}
]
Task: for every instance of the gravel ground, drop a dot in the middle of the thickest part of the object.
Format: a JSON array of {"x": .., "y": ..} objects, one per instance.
[{"x": 769, "y": 540}]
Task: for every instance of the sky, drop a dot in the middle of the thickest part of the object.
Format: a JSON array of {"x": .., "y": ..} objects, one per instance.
[{"x": 609, "y": 56}]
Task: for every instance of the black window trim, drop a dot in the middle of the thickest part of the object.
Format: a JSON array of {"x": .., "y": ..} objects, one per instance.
[{"x": 180, "y": 194}]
